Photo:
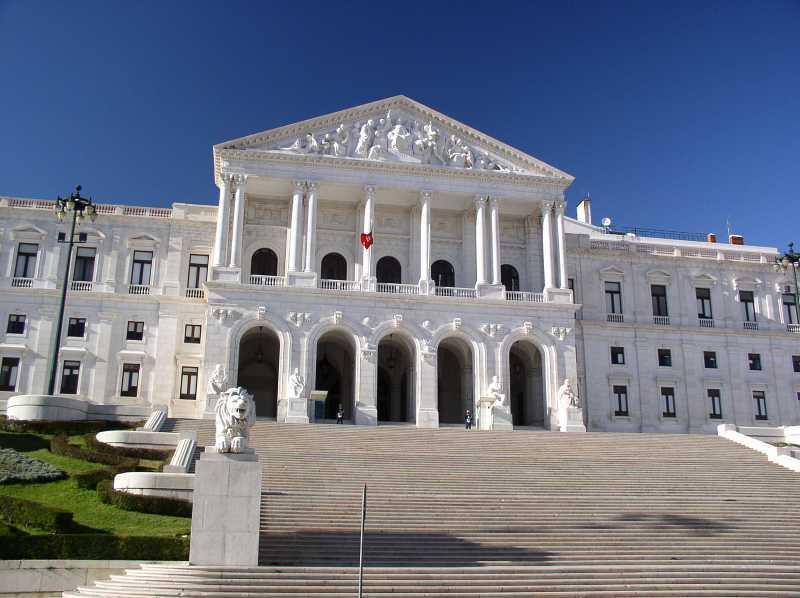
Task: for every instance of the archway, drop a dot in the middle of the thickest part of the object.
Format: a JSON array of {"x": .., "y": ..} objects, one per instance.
[
  {"x": 455, "y": 380},
  {"x": 443, "y": 273},
  {"x": 526, "y": 384},
  {"x": 334, "y": 267},
  {"x": 388, "y": 270},
  {"x": 264, "y": 263},
  {"x": 395, "y": 396},
  {"x": 509, "y": 277},
  {"x": 259, "y": 363},
  {"x": 335, "y": 373}
]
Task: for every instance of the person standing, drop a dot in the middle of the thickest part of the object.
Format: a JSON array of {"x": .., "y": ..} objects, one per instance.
[
  {"x": 340, "y": 415},
  {"x": 468, "y": 420}
]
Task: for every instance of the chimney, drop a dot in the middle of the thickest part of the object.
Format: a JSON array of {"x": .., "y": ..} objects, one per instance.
[
  {"x": 711, "y": 238},
  {"x": 585, "y": 210},
  {"x": 736, "y": 239}
]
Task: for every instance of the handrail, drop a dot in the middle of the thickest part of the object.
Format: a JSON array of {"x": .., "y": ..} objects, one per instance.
[{"x": 361, "y": 543}]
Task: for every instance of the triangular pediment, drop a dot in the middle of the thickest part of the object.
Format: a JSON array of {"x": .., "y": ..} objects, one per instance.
[{"x": 394, "y": 130}]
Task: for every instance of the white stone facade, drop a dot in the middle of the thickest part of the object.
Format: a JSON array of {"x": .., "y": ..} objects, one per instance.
[{"x": 392, "y": 332}]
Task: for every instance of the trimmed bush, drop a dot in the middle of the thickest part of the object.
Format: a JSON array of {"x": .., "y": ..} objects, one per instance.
[
  {"x": 130, "y": 452},
  {"x": 68, "y": 428},
  {"x": 88, "y": 480},
  {"x": 158, "y": 505},
  {"x": 27, "y": 513},
  {"x": 60, "y": 446},
  {"x": 16, "y": 467},
  {"x": 23, "y": 442},
  {"x": 96, "y": 547}
]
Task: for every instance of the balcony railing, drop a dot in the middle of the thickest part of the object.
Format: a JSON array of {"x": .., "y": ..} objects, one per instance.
[
  {"x": 751, "y": 325},
  {"x": 195, "y": 293},
  {"x": 705, "y": 322},
  {"x": 661, "y": 320},
  {"x": 460, "y": 292},
  {"x": 793, "y": 328},
  {"x": 81, "y": 286},
  {"x": 397, "y": 288},
  {"x": 22, "y": 283},
  {"x": 138, "y": 289},
  {"x": 525, "y": 296},
  {"x": 339, "y": 285},
  {"x": 266, "y": 280},
  {"x": 615, "y": 318}
]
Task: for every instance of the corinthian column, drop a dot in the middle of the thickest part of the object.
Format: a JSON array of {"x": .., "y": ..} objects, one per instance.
[
  {"x": 238, "y": 222},
  {"x": 425, "y": 236},
  {"x": 495, "y": 218},
  {"x": 369, "y": 222},
  {"x": 547, "y": 245},
  {"x": 562, "y": 250},
  {"x": 221, "y": 236},
  {"x": 480, "y": 239},
  {"x": 311, "y": 226},
  {"x": 295, "y": 234}
]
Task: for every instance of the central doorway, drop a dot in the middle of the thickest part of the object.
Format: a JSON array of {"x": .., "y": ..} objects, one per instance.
[
  {"x": 259, "y": 362},
  {"x": 526, "y": 388},
  {"x": 454, "y": 380},
  {"x": 395, "y": 379},
  {"x": 335, "y": 373}
]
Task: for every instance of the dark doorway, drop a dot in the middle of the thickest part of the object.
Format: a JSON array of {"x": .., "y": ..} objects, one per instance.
[
  {"x": 509, "y": 277},
  {"x": 526, "y": 388},
  {"x": 335, "y": 373},
  {"x": 395, "y": 380},
  {"x": 259, "y": 363},
  {"x": 388, "y": 270},
  {"x": 454, "y": 380},
  {"x": 264, "y": 263},
  {"x": 334, "y": 267},
  {"x": 443, "y": 274}
]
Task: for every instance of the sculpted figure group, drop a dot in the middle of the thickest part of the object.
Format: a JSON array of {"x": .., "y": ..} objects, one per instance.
[{"x": 393, "y": 137}]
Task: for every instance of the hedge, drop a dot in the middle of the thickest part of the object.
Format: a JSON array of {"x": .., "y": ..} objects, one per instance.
[
  {"x": 27, "y": 513},
  {"x": 60, "y": 446},
  {"x": 89, "y": 479},
  {"x": 96, "y": 547},
  {"x": 130, "y": 452},
  {"x": 158, "y": 505},
  {"x": 68, "y": 428}
]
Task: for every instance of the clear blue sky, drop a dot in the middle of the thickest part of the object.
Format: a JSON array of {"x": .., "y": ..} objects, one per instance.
[{"x": 672, "y": 114}]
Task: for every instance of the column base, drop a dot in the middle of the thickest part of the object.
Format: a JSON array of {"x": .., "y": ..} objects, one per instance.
[
  {"x": 369, "y": 283},
  {"x": 427, "y": 287},
  {"x": 293, "y": 410},
  {"x": 572, "y": 420},
  {"x": 501, "y": 420},
  {"x": 365, "y": 415},
  {"x": 555, "y": 295},
  {"x": 488, "y": 290},
  {"x": 209, "y": 409},
  {"x": 226, "y": 274},
  {"x": 427, "y": 418},
  {"x": 301, "y": 279}
]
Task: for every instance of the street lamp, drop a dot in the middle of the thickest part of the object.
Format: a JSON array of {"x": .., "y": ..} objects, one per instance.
[
  {"x": 790, "y": 261},
  {"x": 80, "y": 208}
]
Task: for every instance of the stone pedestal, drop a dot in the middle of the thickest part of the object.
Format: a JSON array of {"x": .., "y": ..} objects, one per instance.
[
  {"x": 296, "y": 410},
  {"x": 209, "y": 408},
  {"x": 558, "y": 295},
  {"x": 227, "y": 509},
  {"x": 301, "y": 279},
  {"x": 572, "y": 420},
  {"x": 483, "y": 417},
  {"x": 490, "y": 291},
  {"x": 501, "y": 419},
  {"x": 223, "y": 274}
]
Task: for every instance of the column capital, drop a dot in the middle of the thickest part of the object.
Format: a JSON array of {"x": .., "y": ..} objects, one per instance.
[
  {"x": 239, "y": 179},
  {"x": 425, "y": 194},
  {"x": 298, "y": 186},
  {"x": 369, "y": 190},
  {"x": 479, "y": 201},
  {"x": 546, "y": 207},
  {"x": 559, "y": 206},
  {"x": 493, "y": 201},
  {"x": 311, "y": 185},
  {"x": 225, "y": 178}
]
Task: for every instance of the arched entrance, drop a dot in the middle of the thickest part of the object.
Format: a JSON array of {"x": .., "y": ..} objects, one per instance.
[
  {"x": 526, "y": 384},
  {"x": 335, "y": 373},
  {"x": 443, "y": 273},
  {"x": 333, "y": 267},
  {"x": 388, "y": 270},
  {"x": 264, "y": 262},
  {"x": 395, "y": 380},
  {"x": 259, "y": 362},
  {"x": 509, "y": 277},
  {"x": 455, "y": 380}
]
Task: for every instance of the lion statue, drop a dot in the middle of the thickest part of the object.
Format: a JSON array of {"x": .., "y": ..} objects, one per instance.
[{"x": 236, "y": 413}]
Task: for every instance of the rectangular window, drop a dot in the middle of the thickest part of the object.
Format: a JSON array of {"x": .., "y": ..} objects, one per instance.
[
  {"x": 618, "y": 355},
  {"x": 668, "y": 400},
  {"x": 613, "y": 297},
  {"x": 789, "y": 308},
  {"x": 796, "y": 363},
  {"x": 84, "y": 264},
  {"x": 748, "y": 305},
  {"x": 716, "y": 403},
  {"x": 130, "y": 380},
  {"x": 754, "y": 361},
  {"x": 16, "y": 324},
  {"x": 191, "y": 333},
  {"x": 760, "y": 400},
  {"x": 198, "y": 271},
  {"x": 69, "y": 377},
  {"x": 26, "y": 260},
  {"x": 9, "y": 368},
  {"x": 76, "y": 327},
  {"x": 189, "y": 383},
  {"x": 621, "y": 397},
  {"x": 658, "y": 293},
  {"x": 710, "y": 359},
  {"x": 135, "y": 331},
  {"x": 704, "y": 304},
  {"x": 665, "y": 358},
  {"x": 141, "y": 267}
]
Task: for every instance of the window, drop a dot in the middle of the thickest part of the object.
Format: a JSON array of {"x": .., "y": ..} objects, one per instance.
[
  {"x": 704, "y": 304},
  {"x": 760, "y": 400},
  {"x": 26, "y": 260},
  {"x": 748, "y": 305},
  {"x": 130, "y": 380},
  {"x": 191, "y": 333},
  {"x": 796, "y": 363},
  {"x": 9, "y": 368},
  {"x": 76, "y": 327},
  {"x": 69, "y": 377},
  {"x": 754, "y": 361},
  {"x": 84, "y": 264},
  {"x": 621, "y": 397},
  {"x": 618, "y": 355},
  {"x": 665, "y": 358},
  {"x": 509, "y": 277},
  {"x": 140, "y": 269},
  {"x": 333, "y": 267},
  {"x": 716, "y": 403},
  {"x": 264, "y": 263},
  {"x": 135, "y": 331},
  {"x": 388, "y": 270},
  {"x": 198, "y": 271},
  {"x": 443, "y": 273},
  {"x": 16, "y": 324},
  {"x": 189, "y": 383},
  {"x": 789, "y": 308},
  {"x": 658, "y": 293},
  {"x": 668, "y": 399},
  {"x": 613, "y": 297},
  {"x": 710, "y": 359}
]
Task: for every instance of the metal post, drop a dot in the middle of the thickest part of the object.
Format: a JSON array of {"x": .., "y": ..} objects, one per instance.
[
  {"x": 361, "y": 544},
  {"x": 57, "y": 345}
]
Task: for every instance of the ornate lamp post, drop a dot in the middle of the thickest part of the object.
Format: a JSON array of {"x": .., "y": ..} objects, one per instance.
[
  {"x": 80, "y": 208},
  {"x": 791, "y": 261}
]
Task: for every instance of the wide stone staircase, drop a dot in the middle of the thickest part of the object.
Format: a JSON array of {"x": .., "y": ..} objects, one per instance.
[{"x": 524, "y": 513}]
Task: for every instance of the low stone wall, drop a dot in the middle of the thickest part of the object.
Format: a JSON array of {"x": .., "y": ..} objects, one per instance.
[
  {"x": 151, "y": 483},
  {"x": 139, "y": 438},
  {"x": 39, "y": 578},
  {"x": 52, "y": 408}
]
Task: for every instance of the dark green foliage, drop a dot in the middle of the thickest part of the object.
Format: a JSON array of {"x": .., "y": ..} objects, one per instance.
[
  {"x": 130, "y": 452},
  {"x": 157, "y": 505},
  {"x": 96, "y": 547},
  {"x": 23, "y": 442},
  {"x": 68, "y": 428},
  {"x": 27, "y": 513},
  {"x": 16, "y": 467},
  {"x": 60, "y": 446},
  {"x": 89, "y": 479}
]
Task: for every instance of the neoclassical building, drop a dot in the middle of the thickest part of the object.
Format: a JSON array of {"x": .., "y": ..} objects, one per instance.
[{"x": 410, "y": 266}]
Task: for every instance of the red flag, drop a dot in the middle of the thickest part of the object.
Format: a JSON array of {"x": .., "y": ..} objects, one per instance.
[{"x": 366, "y": 240}]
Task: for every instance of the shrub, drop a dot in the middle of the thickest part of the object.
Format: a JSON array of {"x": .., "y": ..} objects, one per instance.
[
  {"x": 68, "y": 428},
  {"x": 23, "y": 442},
  {"x": 60, "y": 446},
  {"x": 96, "y": 547},
  {"x": 158, "y": 505},
  {"x": 16, "y": 467},
  {"x": 131, "y": 452},
  {"x": 27, "y": 513},
  {"x": 89, "y": 479}
]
